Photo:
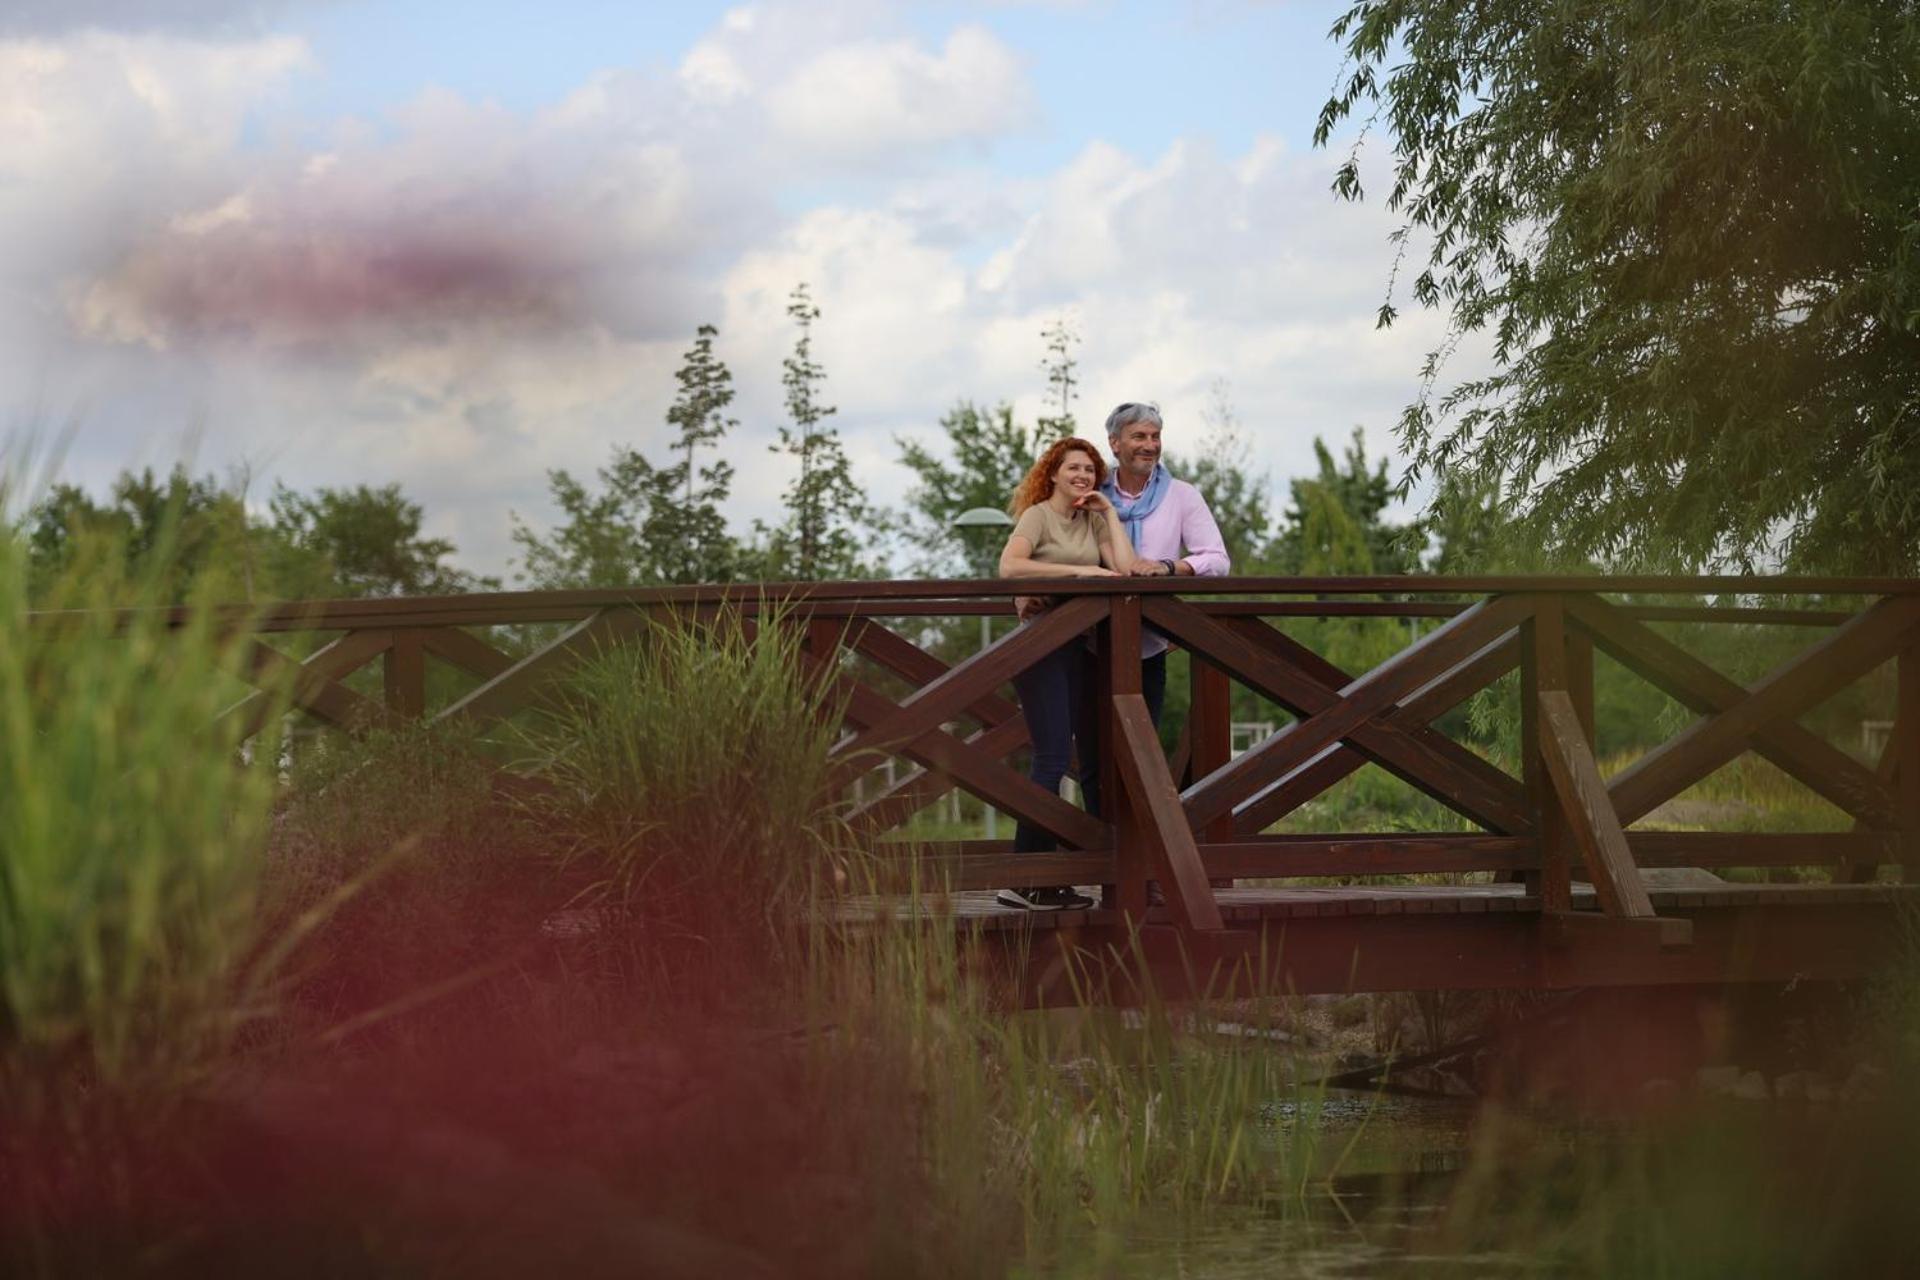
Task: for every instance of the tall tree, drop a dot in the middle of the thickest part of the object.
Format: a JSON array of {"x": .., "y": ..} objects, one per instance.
[
  {"x": 1062, "y": 372},
  {"x": 1690, "y": 231},
  {"x": 827, "y": 511},
  {"x": 987, "y": 454},
  {"x": 1335, "y": 521},
  {"x": 189, "y": 530},
  {"x": 684, "y": 533},
  {"x": 369, "y": 542},
  {"x": 597, "y": 543}
]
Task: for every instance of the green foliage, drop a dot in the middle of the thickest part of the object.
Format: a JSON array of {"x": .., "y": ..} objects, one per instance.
[
  {"x": 1334, "y": 522},
  {"x": 987, "y": 455},
  {"x": 351, "y": 801},
  {"x": 598, "y": 543},
  {"x": 1690, "y": 232},
  {"x": 696, "y": 755},
  {"x": 187, "y": 533},
  {"x": 367, "y": 542},
  {"x": 163, "y": 533},
  {"x": 684, "y": 531},
  {"x": 132, "y": 948},
  {"x": 829, "y": 527}
]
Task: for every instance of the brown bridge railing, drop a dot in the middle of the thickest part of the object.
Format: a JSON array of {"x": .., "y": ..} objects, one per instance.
[{"x": 1200, "y": 817}]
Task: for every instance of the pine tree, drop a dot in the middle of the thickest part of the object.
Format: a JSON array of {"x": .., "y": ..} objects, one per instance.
[
  {"x": 684, "y": 534},
  {"x": 824, "y": 505},
  {"x": 1060, "y": 368}
]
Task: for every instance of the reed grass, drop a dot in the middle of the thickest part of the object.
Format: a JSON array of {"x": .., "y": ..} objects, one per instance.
[
  {"x": 131, "y": 947},
  {"x": 694, "y": 761}
]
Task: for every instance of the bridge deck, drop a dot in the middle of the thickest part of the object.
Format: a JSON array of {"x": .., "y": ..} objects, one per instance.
[{"x": 1239, "y": 906}]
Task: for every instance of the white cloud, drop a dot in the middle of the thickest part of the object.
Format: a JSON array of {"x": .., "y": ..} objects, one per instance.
[
  {"x": 879, "y": 96},
  {"x": 461, "y": 297},
  {"x": 41, "y": 17}
]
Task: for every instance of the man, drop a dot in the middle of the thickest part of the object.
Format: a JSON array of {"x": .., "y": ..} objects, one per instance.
[{"x": 1172, "y": 530}]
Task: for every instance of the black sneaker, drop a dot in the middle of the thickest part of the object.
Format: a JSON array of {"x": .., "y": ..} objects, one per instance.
[{"x": 1051, "y": 898}]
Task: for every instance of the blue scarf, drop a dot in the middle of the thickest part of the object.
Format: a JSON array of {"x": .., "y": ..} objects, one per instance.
[{"x": 1133, "y": 511}]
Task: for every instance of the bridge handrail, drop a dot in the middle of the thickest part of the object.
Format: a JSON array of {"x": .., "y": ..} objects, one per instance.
[
  {"x": 988, "y": 595},
  {"x": 1205, "y": 813}
]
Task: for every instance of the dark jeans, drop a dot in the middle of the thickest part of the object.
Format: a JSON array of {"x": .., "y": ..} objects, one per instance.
[
  {"x": 1056, "y": 697},
  {"x": 1153, "y": 684}
]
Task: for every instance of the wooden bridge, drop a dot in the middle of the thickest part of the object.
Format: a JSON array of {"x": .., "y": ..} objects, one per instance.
[{"x": 1572, "y": 895}]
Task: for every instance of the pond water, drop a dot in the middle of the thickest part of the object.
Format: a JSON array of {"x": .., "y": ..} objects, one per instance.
[{"x": 1397, "y": 1161}]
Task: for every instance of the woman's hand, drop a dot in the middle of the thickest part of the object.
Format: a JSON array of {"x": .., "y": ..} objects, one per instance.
[
  {"x": 1097, "y": 502},
  {"x": 1094, "y": 571}
]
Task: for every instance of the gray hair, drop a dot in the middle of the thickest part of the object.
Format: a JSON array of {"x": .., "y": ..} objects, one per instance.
[{"x": 1128, "y": 414}]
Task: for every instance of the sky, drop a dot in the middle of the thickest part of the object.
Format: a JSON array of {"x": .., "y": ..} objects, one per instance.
[{"x": 332, "y": 242}]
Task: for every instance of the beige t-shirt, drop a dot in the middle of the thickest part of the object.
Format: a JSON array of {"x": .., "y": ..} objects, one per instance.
[{"x": 1074, "y": 539}]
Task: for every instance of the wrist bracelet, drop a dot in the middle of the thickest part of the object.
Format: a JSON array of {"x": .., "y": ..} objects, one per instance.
[{"x": 1172, "y": 569}]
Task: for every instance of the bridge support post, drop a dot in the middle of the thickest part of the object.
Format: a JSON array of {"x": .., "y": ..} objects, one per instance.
[
  {"x": 1543, "y": 670},
  {"x": 1210, "y": 738},
  {"x": 1119, "y": 671},
  {"x": 405, "y": 674},
  {"x": 1905, "y": 752}
]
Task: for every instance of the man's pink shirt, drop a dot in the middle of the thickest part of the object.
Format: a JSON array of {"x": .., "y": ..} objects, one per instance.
[{"x": 1181, "y": 528}]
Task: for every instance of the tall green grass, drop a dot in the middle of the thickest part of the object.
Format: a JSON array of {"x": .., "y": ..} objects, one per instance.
[
  {"x": 131, "y": 827},
  {"x": 692, "y": 763}
]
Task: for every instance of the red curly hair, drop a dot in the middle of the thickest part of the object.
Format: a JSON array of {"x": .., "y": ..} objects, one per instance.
[{"x": 1038, "y": 486}]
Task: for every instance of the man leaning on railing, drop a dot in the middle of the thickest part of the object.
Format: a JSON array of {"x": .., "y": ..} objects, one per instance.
[{"x": 1172, "y": 530}]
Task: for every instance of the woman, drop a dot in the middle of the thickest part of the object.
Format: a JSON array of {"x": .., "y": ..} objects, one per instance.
[{"x": 1063, "y": 527}]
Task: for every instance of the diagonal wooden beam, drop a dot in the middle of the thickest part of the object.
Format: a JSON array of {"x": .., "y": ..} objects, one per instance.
[
  {"x": 1827, "y": 770},
  {"x": 312, "y": 684},
  {"x": 467, "y": 652},
  {"x": 970, "y": 767},
  {"x": 1789, "y": 689},
  {"x": 531, "y": 677},
  {"x": 921, "y": 788},
  {"x": 1583, "y": 798},
  {"x": 1432, "y": 700},
  {"x": 912, "y": 663},
  {"x": 1354, "y": 711},
  {"x": 1155, "y": 805},
  {"x": 940, "y": 700}
]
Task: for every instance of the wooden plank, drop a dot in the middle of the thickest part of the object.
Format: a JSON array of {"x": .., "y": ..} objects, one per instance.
[
  {"x": 1583, "y": 796},
  {"x": 1425, "y": 704},
  {"x": 1156, "y": 808},
  {"x": 1122, "y": 641},
  {"x": 467, "y": 652},
  {"x": 1823, "y": 767},
  {"x": 902, "y": 599},
  {"x": 918, "y": 667},
  {"x": 1210, "y": 730},
  {"x": 1428, "y": 761},
  {"x": 310, "y": 685},
  {"x": 530, "y": 679},
  {"x": 1367, "y": 856},
  {"x": 921, "y": 788},
  {"x": 1543, "y": 670},
  {"x": 1791, "y": 688},
  {"x": 404, "y": 674},
  {"x": 940, "y": 700},
  {"x": 1579, "y": 648},
  {"x": 1132, "y": 824},
  {"x": 1001, "y": 870},
  {"x": 1906, "y": 730},
  {"x": 972, "y": 768},
  {"x": 1710, "y": 849}
]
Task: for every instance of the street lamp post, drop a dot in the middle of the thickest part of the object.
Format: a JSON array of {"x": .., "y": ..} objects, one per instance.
[{"x": 976, "y": 527}]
